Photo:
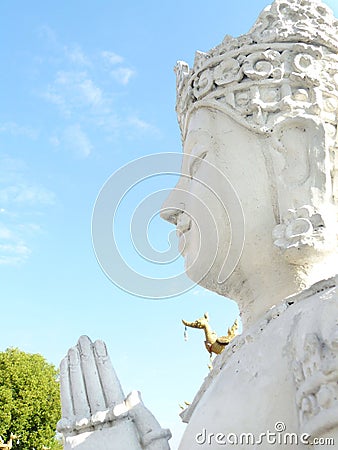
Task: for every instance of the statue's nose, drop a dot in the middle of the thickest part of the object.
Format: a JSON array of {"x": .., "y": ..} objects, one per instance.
[
  {"x": 172, "y": 207},
  {"x": 170, "y": 215}
]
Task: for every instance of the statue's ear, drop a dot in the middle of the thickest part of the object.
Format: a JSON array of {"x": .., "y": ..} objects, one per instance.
[{"x": 206, "y": 316}]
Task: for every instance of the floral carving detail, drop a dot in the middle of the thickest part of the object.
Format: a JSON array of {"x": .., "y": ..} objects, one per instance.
[
  {"x": 299, "y": 228},
  {"x": 315, "y": 375},
  {"x": 289, "y": 18},
  {"x": 227, "y": 71},
  {"x": 291, "y": 49},
  {"x": 203, "y": 84},
  {"x": 262, "y": 65}
]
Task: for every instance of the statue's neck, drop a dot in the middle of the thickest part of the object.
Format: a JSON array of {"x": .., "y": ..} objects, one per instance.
[{"x": 262, "y": 291}]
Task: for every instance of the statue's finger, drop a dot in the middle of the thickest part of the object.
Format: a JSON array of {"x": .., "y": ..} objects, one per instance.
[
  {"x": 90, "y": 374},
  {"x": 65, "y": 387},
  {"x": 78, "y": 390},
  {"x": 110, "y": 383}
]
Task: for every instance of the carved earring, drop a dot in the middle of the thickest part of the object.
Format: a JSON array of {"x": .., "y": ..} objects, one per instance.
[{"x": 186, "y": 334}]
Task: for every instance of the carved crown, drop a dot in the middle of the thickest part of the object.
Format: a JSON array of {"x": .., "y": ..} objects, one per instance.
[{"x": 287, "y": 62}]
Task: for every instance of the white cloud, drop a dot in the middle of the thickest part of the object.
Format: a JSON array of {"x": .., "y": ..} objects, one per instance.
[
  {"x": 112, "y": 58},
  {"x": 75, "y": 54},
  {"x": 143, "y": 126},
  {"x": 72, "y": 91},
  {"x": 92, "y": 93},
  {"x": 46, "y": 33},
  {"x": 55, "y": 141},
  {"x": 108, "y": 122},
  {"x": 21, "y": 202},
  {"x": 15, "y": 129},
  {"x": 34, "y": 195},
  {"x": 122, "y": 75},
  {"x": 26, "y": 194},
  {"x": 29, "y": 228},
  {"x": 11, "y": 170},
  {"x": 87, "y": 91},
  {"x": 77, "y": 141},
  {"x": 52, "y": 97},
  {"x": 5, "y": 233},
  {"x": 139, "y": 123},
  {"x": 14, "y": 254},
  {"x": 13, "y": 248}
]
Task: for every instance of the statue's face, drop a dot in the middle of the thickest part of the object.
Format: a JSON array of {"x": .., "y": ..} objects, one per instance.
[{"x": 204, "y": 206}]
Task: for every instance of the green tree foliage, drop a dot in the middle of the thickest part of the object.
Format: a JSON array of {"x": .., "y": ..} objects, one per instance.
[{"x": 29, "y": 400}]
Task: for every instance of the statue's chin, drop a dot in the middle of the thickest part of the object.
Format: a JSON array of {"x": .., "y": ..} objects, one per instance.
[{"x": 206, "y": 276}]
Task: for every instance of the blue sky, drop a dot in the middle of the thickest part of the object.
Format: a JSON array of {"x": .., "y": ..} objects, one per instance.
[{"x": 85, "y": 88}]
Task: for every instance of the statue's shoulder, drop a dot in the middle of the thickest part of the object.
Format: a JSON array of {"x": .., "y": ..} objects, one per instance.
[
  {"x": 313, "y": 350},
  {"x": 290, "y": 355}
]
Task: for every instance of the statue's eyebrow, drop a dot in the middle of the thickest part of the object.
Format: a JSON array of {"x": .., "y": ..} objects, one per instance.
[
  {"x": 196, "y": 137},
  {"x": 191, "y": 134}
]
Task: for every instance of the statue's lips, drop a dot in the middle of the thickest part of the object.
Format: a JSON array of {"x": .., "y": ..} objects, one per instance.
[{"x": 182, "y": 232}]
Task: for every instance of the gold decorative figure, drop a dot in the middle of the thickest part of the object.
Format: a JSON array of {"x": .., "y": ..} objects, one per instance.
[
  {"x": 9, "y": 444},
  {"x": 213, "y": 344}
]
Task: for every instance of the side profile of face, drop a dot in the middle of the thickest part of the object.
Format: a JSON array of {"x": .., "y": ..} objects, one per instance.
[
  {"x": 227, "y": 207},
  {"x": 223, "y": 194}
]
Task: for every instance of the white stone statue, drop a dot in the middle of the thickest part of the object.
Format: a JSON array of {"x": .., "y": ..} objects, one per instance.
[
  {"x": 95, "y": 413},
  {"x": 262, "y": 109}
]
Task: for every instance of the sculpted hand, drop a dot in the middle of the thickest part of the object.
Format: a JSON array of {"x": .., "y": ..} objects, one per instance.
[{"x": 95, "y": 413}]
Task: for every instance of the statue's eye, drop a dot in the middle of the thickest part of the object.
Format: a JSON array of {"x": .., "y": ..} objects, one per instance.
[{"x": 196, "y": 163}]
